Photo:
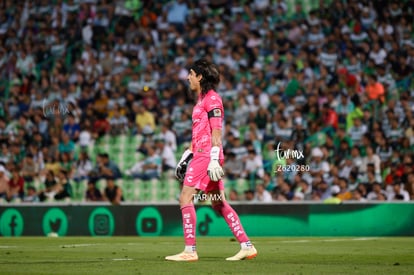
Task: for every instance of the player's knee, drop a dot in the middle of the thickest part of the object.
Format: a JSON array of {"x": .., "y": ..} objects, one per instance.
[{"x": 184, "y": 200}]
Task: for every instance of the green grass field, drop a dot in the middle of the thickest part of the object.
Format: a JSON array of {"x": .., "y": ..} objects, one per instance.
[{"x": 135, "y": 255}]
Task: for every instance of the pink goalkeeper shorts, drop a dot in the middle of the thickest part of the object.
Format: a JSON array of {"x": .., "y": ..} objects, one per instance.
[{"x": 196, "y": 176}]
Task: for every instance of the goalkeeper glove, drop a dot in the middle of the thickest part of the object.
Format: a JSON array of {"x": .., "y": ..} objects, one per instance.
[
  {"x": 182, "y": 165},
  {"x": 214, "y": 170}
]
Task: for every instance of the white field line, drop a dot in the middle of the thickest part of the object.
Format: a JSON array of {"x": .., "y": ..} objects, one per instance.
[
  {"x": 330, "y": 240},
  {"x": 122, "y": 259},
  {"x": 7, "y": 246}
]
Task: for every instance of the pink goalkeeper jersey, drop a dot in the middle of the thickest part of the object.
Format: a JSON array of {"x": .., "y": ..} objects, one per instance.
[{"x": 208, "y": 113}]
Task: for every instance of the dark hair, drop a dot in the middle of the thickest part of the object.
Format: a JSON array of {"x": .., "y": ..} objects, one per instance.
[{"x": 210, "y": 73}]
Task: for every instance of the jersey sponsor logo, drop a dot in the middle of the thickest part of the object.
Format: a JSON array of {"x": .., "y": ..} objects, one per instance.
[{"x": 213, "y": 97}]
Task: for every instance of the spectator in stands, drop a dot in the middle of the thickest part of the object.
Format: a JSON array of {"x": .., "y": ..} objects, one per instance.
[
  {"x": 238, "y": 148},
  {"x": 63, "y": 187},
  {"x": 357, "y": 131},
  {"x": 4, "y": 182},
  {"x": 31, "y": 195},
  {"x": 106, "y": 168},
  {"x": 5, "y": 154},
  {"x": 282, "y": 192},
  {"x": 249, "y": 195},
  {"x": 262, "y": 195},
  {"x": 182, "y": 128},
  {"x": 145, "y": 120},
  {"x": 409, "y": 185},
  {"x": 118, "y": 122},
  {"x": 166, "y": 153},
  {"x": 253, "y": 169},
  {"x": 303, "y": 191},
  {"x": 92, "y": 193},
  {"x": 30, "y": 169},
  {"x": 168, "y": 136},
  {"x": 233, "y": 168},
  {"x": 371, "y": 158},
  {"x": 318, "y": 166},
  {"x": 358, "y": 196},
  {"x": 377, "y": 193},
  {"x": 334, "y": 199},
  {"x": 71, "y": 128},
  {"x": 83, "y": 167},
  {"x": 16, "y": 186},
  {"x": 67, "y": 146},
  {"x": 85, "y": 135},
  {"x": 177, "y": 12},
  {"x": 101, "y": 126},
  {"x": 112, "y": 193},
  {"x": 399, "y": 193},
  {"x": 50, "y": 184},
  {"x": 344, "y": 193},
  {"x": 66, "y": 163},
  {"x": 149, "y": 167},
  {"x": 320, "y": 189},
  {"x": 233, "y": 195}
]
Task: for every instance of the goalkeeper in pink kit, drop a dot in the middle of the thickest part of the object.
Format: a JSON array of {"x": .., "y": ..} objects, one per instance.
[{"x": 204, "y": 172}]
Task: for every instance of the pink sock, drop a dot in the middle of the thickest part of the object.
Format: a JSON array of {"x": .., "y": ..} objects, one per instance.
[
  {"x": 232, "y": 220},
  {"x": 189, "y": 224}
]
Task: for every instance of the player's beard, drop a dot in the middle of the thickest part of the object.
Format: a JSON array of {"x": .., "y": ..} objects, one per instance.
[{"x": 191, "y": 93}]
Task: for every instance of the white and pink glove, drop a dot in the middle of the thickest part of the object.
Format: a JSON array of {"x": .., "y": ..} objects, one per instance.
[{"x": 214, "y": 170}]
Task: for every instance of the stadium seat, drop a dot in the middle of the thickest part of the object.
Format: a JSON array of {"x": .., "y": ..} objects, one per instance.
[
  {"x": 144, "y": 190},
  {"x": 242, "y": 185},
  {"x": 128, "y": 185},
  {"x": 78, "y": 190}
]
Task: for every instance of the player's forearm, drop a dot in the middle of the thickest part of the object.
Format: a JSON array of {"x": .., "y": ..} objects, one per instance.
[{"x": 216, "y": 137}]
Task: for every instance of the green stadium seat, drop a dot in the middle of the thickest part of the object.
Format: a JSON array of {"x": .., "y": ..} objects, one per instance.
[
  {"x": 128, "y": 185},
  {"x": 144, "y": 190},
  {"x": 128, "y": 160},
  {"x": 78, "y": 189},
  {"x": 242, "y": 185}
]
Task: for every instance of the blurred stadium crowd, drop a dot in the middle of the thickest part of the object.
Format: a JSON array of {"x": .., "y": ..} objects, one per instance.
[{"x": 95, "y": 104}]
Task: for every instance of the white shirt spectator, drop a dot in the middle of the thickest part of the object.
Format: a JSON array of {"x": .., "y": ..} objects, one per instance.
[
  {"x": 378, "y": 56},
  {"x": 85, "y": 138},
  {"x": 168, "y": 157},
  {"x": 262, "y": 195},
  {"x": 374, "y": 159},
  {"x": 170, "y": 139},
  {"x": 399, "y": 193},
  {"x": 254, "y": 164},
  {"x": 328, "y": 59},
  {"x": 357, "y": 132},
  {"x": 87, "y": 33},
  {"x": 25, "y": 63}
]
